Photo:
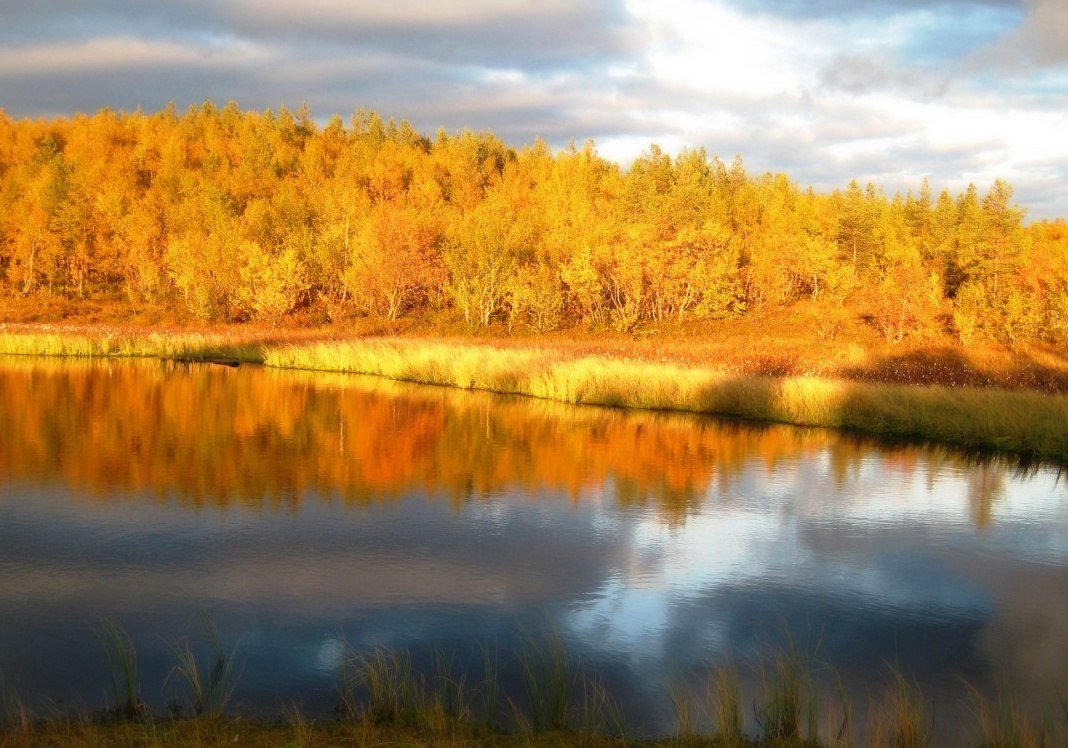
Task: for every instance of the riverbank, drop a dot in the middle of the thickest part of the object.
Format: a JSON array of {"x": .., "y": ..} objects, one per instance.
[
  {"x": 1025, "y": 421},
  {"x": 388, "y": 703},
  {"x": 792, "y": 712}
]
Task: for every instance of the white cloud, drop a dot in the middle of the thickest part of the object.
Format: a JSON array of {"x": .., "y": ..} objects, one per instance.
[
  {"x": 840, "y": 94},
  {"x": 1041, "y": 40},
  {"x": 889, "y": 92},
  {"x": 107, "y": 53},
  {"x": 712, "y": 49},
  {"x": 407, "y": 13}
]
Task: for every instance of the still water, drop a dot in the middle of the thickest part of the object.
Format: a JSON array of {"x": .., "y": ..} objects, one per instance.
[{"x": 307, "y": 514}]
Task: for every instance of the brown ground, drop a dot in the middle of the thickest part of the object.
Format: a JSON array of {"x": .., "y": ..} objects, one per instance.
[{"x": 801, "y": 339}]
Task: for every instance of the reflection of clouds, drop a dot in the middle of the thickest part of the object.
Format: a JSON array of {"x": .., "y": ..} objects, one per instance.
[
  {"x": 331, "y": 655},
  {"x": 420, "y": 552},
  {"x": 868, "y": 554},
  {"x": 879, "y": 567}
]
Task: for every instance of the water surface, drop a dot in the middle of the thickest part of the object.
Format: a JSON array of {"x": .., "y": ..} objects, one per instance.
[{"x": 308, "y": 513}]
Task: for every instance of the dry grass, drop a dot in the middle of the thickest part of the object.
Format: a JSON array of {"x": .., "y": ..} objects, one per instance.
[
  {"x": 1027, "y": 423},
  {"x": 915, "y": 395},
  {"x": 386, "y": 700}
]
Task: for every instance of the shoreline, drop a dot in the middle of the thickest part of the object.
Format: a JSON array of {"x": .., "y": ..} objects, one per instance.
[
  {"x": 1027, "y": 423},
  {"x": 787, "y": 698}
]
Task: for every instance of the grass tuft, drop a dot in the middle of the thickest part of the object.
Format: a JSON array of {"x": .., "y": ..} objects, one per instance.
[
  {"x": 121, "y": 656},
  {"x": 14, "y": 716},
  {"x": 724, "y": 698},
  {"x": 381, "y": 686},
  {"x": 387, "y": 700},
  {"x": 789, "y": 709},
  {"x": 901, "y": 721},
  {"x": 209, "y": 688},
  {"x": 550, "y": 678}
]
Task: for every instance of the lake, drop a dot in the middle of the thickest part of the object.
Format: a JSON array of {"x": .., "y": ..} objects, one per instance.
[{"x": 310, "y": 515}]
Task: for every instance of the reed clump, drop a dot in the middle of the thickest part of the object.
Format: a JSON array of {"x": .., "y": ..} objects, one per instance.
[
  {"x": 209, "y": 685},
  {"x": 122, "y": 665},
  {"x": 386, "y": 697},
  {"x": 550, "y": 680},
  {"x": 901, "y": 719},
  {"x": 120, "y": 343}
]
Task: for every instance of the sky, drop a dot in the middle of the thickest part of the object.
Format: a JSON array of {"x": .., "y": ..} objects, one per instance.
[{"x": 888, "y": 91}]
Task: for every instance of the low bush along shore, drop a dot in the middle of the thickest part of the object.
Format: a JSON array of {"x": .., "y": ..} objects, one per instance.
[{"x": 1028, "y": 423}]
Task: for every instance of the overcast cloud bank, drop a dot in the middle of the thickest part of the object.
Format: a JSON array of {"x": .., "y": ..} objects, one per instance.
[{"x": 826, "y": 90}]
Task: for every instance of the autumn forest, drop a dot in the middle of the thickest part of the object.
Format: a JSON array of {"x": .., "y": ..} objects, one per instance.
[{"x": 219, "y": 214}]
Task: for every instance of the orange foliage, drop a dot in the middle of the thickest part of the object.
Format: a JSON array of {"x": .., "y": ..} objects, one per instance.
[
  {"x": 231, "y": 215},
  {"x": 261, "y": 438}
]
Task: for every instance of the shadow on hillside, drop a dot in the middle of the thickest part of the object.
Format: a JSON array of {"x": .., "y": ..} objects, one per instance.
[{"x": 951, "y": 367}]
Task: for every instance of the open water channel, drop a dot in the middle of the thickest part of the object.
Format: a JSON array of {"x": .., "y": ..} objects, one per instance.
[{"x": 311, "y": 515}]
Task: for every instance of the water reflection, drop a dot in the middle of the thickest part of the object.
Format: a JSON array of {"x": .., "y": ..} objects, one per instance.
[
  {"x": 343, "y": 508},
  {"x": 202, "y": 435}
]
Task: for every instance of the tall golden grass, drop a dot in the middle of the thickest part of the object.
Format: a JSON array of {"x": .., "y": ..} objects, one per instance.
[
  {"x": 1027, "y": 423},
  {"x": 192, "y": 346}
]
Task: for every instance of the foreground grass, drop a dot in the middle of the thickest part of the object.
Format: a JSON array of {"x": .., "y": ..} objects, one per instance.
[
  {"x": 398, "y": 706},
  {"x": 1022, "y": 421},
  {"x": 293, "y": 731},
  {"x": 385, "y": 698}
]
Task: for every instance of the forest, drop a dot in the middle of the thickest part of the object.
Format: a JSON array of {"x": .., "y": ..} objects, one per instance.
[{"x": 224, "y": 215}]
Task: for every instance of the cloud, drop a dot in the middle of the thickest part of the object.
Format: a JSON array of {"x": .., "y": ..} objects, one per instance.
[
  {"x": 106, "y": 54},
  {"x": 477, "y": 32},
  {"x": 868, "y": 9},
  {"x": 825, "y": 91},
  {"x": 858, "y": 74},
  {"x": 1041, "y": 40}
]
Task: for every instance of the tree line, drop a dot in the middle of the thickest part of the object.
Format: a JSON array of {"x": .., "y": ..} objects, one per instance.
[{"x": 233, "y": 215}]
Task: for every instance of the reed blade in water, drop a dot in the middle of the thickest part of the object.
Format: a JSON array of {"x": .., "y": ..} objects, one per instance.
[
  {"x": 789, "y": 710},
  {"x": 14, "y": 716},
  {"x": 381, "y": 685},
  {"x": 901, "y": 721},
  {"x": 210, "y": 689},
  {"x": 121, "y": 656},
  {"x": 726, "y": 704},
  {"x": 549, "y": 678}
]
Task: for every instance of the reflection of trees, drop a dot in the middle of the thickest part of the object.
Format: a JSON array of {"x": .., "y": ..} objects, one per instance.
[{"x": 210, "y": 435}]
